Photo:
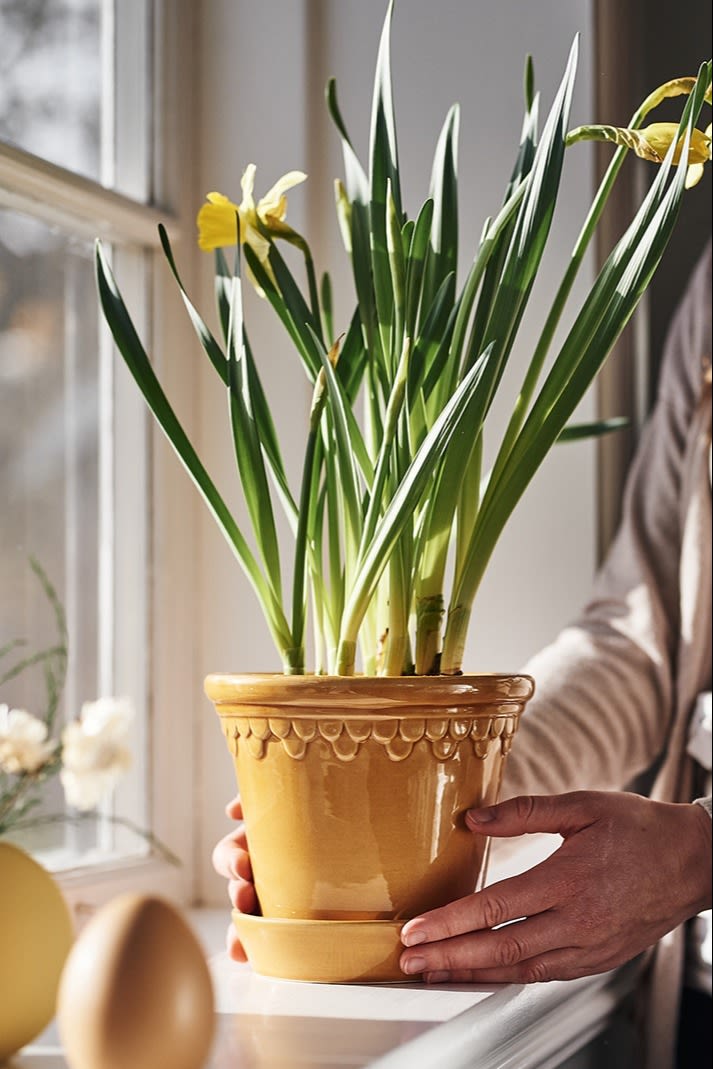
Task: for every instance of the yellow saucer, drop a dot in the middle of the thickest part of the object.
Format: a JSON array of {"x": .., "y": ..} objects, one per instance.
[{"x": 326, "y": 952}]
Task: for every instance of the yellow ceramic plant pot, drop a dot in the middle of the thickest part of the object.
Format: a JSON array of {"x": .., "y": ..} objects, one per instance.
[{"x": 354, "y": 791}]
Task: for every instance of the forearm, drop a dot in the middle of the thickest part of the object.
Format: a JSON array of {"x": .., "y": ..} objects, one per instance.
[{"x": 599, "y": 716}]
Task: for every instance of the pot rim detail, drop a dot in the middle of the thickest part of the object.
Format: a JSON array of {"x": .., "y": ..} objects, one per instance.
[
  {"x": 345, "y": 737},
  {"x": 373, "y": 696}
]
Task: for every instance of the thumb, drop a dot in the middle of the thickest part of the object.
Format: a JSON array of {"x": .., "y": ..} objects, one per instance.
[{"x": 561, "y": 814}]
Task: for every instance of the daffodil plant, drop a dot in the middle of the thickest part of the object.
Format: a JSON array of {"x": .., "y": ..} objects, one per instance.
[{"x": 393, "y": 497}]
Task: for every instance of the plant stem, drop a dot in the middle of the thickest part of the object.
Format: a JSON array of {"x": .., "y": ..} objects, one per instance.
[
  {"x": 429, "y": 621},
  {"x": 588, "y": 229},
  {"x": 454, "y": 642}
]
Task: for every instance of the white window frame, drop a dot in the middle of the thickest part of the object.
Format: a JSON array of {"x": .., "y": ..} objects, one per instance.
[{"x": 150, "y": 650}]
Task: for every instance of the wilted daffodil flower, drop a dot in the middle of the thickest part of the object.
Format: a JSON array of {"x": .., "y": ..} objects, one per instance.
[
  {"x": 217, "y": 225},
  {"x": 653, "y": 142}
]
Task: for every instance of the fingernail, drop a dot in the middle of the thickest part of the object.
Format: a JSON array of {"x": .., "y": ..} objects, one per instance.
[
  {"x": 414, "y": 936},
  {"x": 413, "y": 965},
  {"x": 479, "y": 816},
  {"x": 437, "y": 977}
]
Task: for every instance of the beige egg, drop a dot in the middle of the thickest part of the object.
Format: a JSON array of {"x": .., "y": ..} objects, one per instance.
[{"x": 135, "y": 992}]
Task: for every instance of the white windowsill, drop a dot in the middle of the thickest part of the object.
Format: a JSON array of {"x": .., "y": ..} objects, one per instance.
[{"x": 267, "y": 1024}]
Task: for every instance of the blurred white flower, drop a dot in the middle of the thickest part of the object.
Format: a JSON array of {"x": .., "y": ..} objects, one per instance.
[
  {"x": 94, "y": 751},
  {"x": 23, "y": 741}
]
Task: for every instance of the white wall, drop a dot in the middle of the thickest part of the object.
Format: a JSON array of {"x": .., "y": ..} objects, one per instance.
[{"x": 263, "y": 70}]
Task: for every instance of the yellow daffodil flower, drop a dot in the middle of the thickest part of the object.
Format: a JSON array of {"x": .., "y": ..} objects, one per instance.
[{"x": 217, "y": 224}]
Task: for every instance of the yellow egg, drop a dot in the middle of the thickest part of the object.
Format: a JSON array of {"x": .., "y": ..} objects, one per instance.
[
  {"x": 136, "y": 992},
  {"x": 35, "y": 938}
]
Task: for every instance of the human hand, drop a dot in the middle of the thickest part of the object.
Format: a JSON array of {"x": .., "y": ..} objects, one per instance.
[
  {"x": 231, "y": 859},
  {"x": 630, "y": 870}
]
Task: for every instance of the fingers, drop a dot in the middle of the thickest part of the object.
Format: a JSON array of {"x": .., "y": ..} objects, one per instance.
[
  {"x": 611, "y": 889},
  {"x": 505, "y": 948},
  {"x": 562, "y": 814},
  {"x": 230, "y": 857},
  {"x": 525, "y": 895},
  {"x": 234, "y": 808},
  {"x": 242, "y": 896},
  {"x": 234, "y": 946},
  {"x": 563, "y": 964}
]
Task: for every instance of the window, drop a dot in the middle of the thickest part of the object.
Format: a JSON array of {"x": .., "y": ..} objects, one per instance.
[
  {"x": 57, "y": 118},
  {"x": 89, "y": 98}
]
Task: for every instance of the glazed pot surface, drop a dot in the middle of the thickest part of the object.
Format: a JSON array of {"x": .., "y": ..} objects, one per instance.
[{"x": 354, "y": 789}]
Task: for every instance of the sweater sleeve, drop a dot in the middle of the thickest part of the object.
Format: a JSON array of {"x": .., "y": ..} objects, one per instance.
[{"x": 605, "y": 686}]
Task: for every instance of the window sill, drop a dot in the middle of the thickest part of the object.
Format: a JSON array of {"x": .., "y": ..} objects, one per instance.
[
  {"x": 88, "y": 888},
  {"x": 261, "y": 1022}
]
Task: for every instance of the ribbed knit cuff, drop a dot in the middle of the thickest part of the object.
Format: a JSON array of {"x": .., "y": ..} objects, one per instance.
[{"x": 705, "y": 803}]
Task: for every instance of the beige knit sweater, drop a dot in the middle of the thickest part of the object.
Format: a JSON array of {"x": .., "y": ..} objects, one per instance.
[{"x": 616, "y": 689}]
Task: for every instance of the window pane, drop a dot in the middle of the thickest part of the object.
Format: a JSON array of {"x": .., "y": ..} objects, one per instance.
[
  {"x": 74, "y": 502},
  {"x": 49, "y": 464},
  {"x": 51, "y": 80}
]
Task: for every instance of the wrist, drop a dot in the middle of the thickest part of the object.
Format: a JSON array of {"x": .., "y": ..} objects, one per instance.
[
  {"x": 701, "y": 850},
  {"x": 706, "y": 804}
]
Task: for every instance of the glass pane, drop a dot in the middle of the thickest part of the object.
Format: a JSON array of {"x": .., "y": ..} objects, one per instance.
[
  {"x": 51, "y": 80},
  {"x": 49, "y": 473}
]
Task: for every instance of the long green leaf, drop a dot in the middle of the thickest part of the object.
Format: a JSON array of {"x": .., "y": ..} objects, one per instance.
[
  {"x": 439, "y": 385},
  {"x": 353, "y": 358},
  {"x": 455, "y": 414},
  {"x": 338, "y": 406},
  {"x": 397, "y": 266},
  {"x": 415, "y": 263},
  {"x": 383, "y": 175},
  {"x": 268, "y": 435},
  {"x": 289, "y": 315},
  {"x": 575, "y": 432},
  {"x": 246, "y": 440},
  {"x": 309, "y": 491},
  {"x": 134, "y": 355},
  {"x": 531, "y": 227},
  {"x": 383, "y": 150},
  {"x": 383, "y": 462},
  {"x": 210, "y": 345},
  {"x": 619, "y": 287},
  {"x": 357, "y": 183},
  {"x": 261, "y": 409},
  {"x": 442, "y": 256},
  {"x": 362, "y": 269}
]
